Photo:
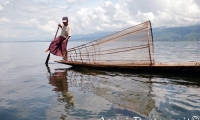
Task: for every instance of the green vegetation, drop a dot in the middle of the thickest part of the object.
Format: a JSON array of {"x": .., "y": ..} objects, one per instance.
[{"x": 191, "y": 33}]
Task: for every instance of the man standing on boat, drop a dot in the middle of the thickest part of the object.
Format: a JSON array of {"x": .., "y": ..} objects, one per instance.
[{"x": 58, "y": 46}]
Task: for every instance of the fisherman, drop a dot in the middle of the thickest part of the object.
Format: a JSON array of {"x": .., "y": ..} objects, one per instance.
[{"x": 58, "y": 46}]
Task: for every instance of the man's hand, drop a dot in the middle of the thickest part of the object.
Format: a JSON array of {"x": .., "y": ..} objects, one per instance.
[
  {"x": 60, "y": 25},
  {"x": 64, "y": 41}
]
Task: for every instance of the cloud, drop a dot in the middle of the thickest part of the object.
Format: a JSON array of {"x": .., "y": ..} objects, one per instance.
[
  {"x": 166, "y": 13},
  {"x": 38, "y": 19},
  {"x": 74, "y": 1},
  {"x": 27, "y": 20},
  {"x": 1, "y": 7},
  {"x": 197, "y": 2},
  {"x": 6, "y": 2},
  {"x": 4, "y": 20}
]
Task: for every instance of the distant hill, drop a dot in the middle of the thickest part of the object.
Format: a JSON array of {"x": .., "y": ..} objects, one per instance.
[{"x": 177, "y": 33}]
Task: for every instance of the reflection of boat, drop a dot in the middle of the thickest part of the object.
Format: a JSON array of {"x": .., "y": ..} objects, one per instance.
[
  {"x": 135, "y": 92},
  {"x": 132, "y": 48},
  {"x": 126, "y": 94}
]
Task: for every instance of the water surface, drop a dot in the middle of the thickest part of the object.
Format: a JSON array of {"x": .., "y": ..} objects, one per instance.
[{"x": 31, "y": 90}]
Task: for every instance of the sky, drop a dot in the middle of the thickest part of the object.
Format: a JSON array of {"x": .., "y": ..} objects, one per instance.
[{"x": 24, "y": 20}]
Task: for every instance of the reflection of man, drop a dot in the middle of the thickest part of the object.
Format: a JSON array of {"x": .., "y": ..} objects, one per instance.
[{"x": 59, "y": 80}]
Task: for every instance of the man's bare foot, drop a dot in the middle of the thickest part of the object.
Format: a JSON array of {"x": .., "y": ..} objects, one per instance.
[
  {"x": 47, "y": 50},
  {"x": 65, "y": 58}
]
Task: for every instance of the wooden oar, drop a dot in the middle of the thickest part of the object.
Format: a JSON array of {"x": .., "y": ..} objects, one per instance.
[{"x": 47, "y": 60}]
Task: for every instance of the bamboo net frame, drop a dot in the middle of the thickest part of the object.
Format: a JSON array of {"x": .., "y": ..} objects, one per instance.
[{"x": 133, "y": 45}]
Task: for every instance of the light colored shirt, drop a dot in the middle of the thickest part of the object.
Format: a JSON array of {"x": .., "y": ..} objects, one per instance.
[{"x": 66, "y": 31}]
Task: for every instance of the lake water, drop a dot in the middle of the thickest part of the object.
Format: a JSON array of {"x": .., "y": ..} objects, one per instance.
[{"x": 30, "y": 90}]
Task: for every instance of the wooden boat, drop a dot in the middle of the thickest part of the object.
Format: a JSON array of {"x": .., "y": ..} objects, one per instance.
[{"x": 132, "y": 48}]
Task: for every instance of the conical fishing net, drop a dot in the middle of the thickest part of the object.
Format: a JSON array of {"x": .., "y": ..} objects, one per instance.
[{"x": 133, "y": 45}]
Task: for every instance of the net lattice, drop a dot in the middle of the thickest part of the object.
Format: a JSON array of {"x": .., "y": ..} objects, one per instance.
[{"x": 133, "y": 45}]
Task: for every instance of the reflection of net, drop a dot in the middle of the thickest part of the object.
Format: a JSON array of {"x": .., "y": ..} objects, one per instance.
[
  {"x": 116, "y": 88},
  {"x": 130, "y": 46}
]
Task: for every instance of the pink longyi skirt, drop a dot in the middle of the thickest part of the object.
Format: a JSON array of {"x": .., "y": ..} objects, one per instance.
[{"x": 57, "y": 47}]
